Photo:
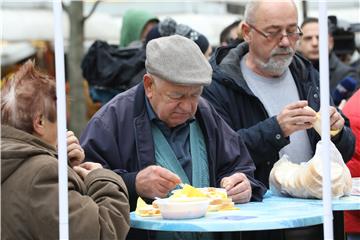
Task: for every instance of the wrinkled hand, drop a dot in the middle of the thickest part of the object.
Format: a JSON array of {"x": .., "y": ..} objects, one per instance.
[
  {"x": 295, "y": 117},
  {"x": 85, "y": 168},
  {"x": 336, "y": 120},
  {"x": 155, "y": 181},
  {"x": 238, "y": 187},
  {"x": 75, "y": 152}
]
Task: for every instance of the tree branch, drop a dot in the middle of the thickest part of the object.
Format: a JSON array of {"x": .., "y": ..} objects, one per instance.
[{"x": 91, "y": 11}]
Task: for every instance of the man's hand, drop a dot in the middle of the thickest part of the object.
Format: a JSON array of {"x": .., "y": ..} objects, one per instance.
[
  {"x": 75, "y": 152},
  {"x": 155, "y": 181},
  {"x": 238, "y": 187},
  {"x": 336, "y": 120},
  {"x": 85, "y": 168},
  {"x": 295, "y": 117},
  {"x": 342, "y": 104}
]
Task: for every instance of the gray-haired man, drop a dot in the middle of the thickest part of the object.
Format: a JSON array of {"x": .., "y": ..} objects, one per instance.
[
  {"x": 261, "y": 88},
  {"x": 161, "y": 132}
]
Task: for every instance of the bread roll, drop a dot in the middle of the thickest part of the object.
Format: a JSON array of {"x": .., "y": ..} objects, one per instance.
[{"x": 317, "y": 123}]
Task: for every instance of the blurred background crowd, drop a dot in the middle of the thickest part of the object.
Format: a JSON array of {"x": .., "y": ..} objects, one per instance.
[{"x": 105, "y": 41}]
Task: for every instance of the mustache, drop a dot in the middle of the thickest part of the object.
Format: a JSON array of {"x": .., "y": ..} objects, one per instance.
[{"x": 277, "y": 51}]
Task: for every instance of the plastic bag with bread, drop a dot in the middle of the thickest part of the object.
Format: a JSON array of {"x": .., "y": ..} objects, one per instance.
[{"x": 305, "y": 180}]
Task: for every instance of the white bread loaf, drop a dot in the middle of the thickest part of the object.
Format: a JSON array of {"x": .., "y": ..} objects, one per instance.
[{"x": 305, "y": 180}]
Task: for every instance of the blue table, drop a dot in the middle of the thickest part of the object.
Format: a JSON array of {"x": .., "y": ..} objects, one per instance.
[
  {"x": 338, "y": 206},
  {"x": 273, "y": 213},
  {"x": 344, "y": 203}
]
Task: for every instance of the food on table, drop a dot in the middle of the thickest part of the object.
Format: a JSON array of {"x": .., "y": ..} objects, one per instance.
[
  {"x": 218, "y": 200},
  {"x": 146, "y": 210}
]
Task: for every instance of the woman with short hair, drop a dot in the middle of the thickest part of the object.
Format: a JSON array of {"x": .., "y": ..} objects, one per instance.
[{"x": 98, "y": 198}]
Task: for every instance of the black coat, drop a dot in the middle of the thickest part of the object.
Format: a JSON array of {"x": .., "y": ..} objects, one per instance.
[
  {"x": 107, "y": 66},
  {"x": 243, "y": 111}
]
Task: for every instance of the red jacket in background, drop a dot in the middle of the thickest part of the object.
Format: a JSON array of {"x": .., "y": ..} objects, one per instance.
[{"x": 352, "y": 111}]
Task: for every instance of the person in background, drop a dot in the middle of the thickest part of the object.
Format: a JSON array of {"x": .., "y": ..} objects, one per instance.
[
  {"x": 352, "y": 111},
  {"x": 343, "y": 78},
  {"x": 169, "y": 27},
  {"x": 110, "y": 70},
  {"x": 230, "y": 34},
  {"x": 98, "y": 198},
  {"x": 261, "y": 88},
  {"x": 135, "y": 26},
  {"x": 356, "y": 62},
  {"x": 161, "y": 132}
]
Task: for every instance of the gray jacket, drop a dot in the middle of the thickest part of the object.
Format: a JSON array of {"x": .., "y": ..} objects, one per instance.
[{"x": 339, "y": 71}]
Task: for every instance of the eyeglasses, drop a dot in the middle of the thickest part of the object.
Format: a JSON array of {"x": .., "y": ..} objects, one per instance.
[{"x": 278, "y": 35}]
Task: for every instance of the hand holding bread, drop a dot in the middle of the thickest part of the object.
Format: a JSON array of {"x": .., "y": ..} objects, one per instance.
[
  {"x": 336, "y": 121},
  {"x": 295, "y": 117}
]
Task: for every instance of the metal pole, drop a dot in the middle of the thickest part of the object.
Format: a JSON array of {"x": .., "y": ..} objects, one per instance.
[
  {"x": 304, "y": 8},
  {"x": 325, "y": 120},
  {"x": 61, "y": 122}
]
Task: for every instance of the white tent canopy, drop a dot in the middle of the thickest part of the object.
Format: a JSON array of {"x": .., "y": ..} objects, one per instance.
[
  {"x": 25, "y": 25},
  {"x": 12, "y": 53},
  {"x": 37, "y": 24}
]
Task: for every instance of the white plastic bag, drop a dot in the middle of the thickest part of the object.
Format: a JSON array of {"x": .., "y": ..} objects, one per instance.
[{"x": 305, "y": 180}]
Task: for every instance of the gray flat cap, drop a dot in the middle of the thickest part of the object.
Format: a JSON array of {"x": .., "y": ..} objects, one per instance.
[{"x": 179, "y": 60}]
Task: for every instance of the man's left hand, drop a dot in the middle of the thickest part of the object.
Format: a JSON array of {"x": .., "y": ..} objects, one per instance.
[
  {"x": 238, "y": 187},
  {"x": 336, "y": 120}
]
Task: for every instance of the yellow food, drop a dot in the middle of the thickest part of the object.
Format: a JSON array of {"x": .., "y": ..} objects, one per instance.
[
  {"x": 146, "y": 210},
  {"x": 317, "y": 124},
  {"x": 188, "y": 191},
  {"x": 219, "y": 199}
]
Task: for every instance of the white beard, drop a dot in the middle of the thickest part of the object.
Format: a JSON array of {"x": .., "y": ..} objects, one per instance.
[{"x": 276, "y": 64}]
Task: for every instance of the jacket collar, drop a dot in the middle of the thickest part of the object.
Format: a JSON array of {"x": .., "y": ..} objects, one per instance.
[
  {"x": 226, "y": 65},
  {"x": 142, "y": 128}
]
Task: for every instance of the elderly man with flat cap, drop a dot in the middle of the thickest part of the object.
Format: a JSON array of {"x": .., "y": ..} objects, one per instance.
[{"x": 161, "y": 132}]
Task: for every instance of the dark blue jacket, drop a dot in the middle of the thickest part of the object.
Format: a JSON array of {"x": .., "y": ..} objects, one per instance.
[
  {"x": 243, "y": 111},
  {"x": 119, "y": 137}
]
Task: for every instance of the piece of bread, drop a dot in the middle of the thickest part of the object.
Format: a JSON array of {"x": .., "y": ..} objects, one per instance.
[{"x": 317, "y": 125}]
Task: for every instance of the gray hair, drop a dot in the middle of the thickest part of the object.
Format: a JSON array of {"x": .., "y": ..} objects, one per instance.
[{"x": 251, "y": 8}]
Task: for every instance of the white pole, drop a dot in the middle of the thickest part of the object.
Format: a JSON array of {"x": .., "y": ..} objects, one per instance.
[
  {"x": 61, "y": 120},
  {"x": 325, "y": 119}
]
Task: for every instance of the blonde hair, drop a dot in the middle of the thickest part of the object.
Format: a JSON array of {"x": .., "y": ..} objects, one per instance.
[{"x": 27, "y": 95}]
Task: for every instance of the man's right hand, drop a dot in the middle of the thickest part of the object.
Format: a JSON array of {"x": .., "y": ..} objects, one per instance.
[
  {"x": 155, "y": 181},
  {"x": 295, "y": 117}
]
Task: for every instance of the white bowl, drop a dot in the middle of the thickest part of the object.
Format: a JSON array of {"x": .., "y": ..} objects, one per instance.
[{"x": 182, "y": 208}]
